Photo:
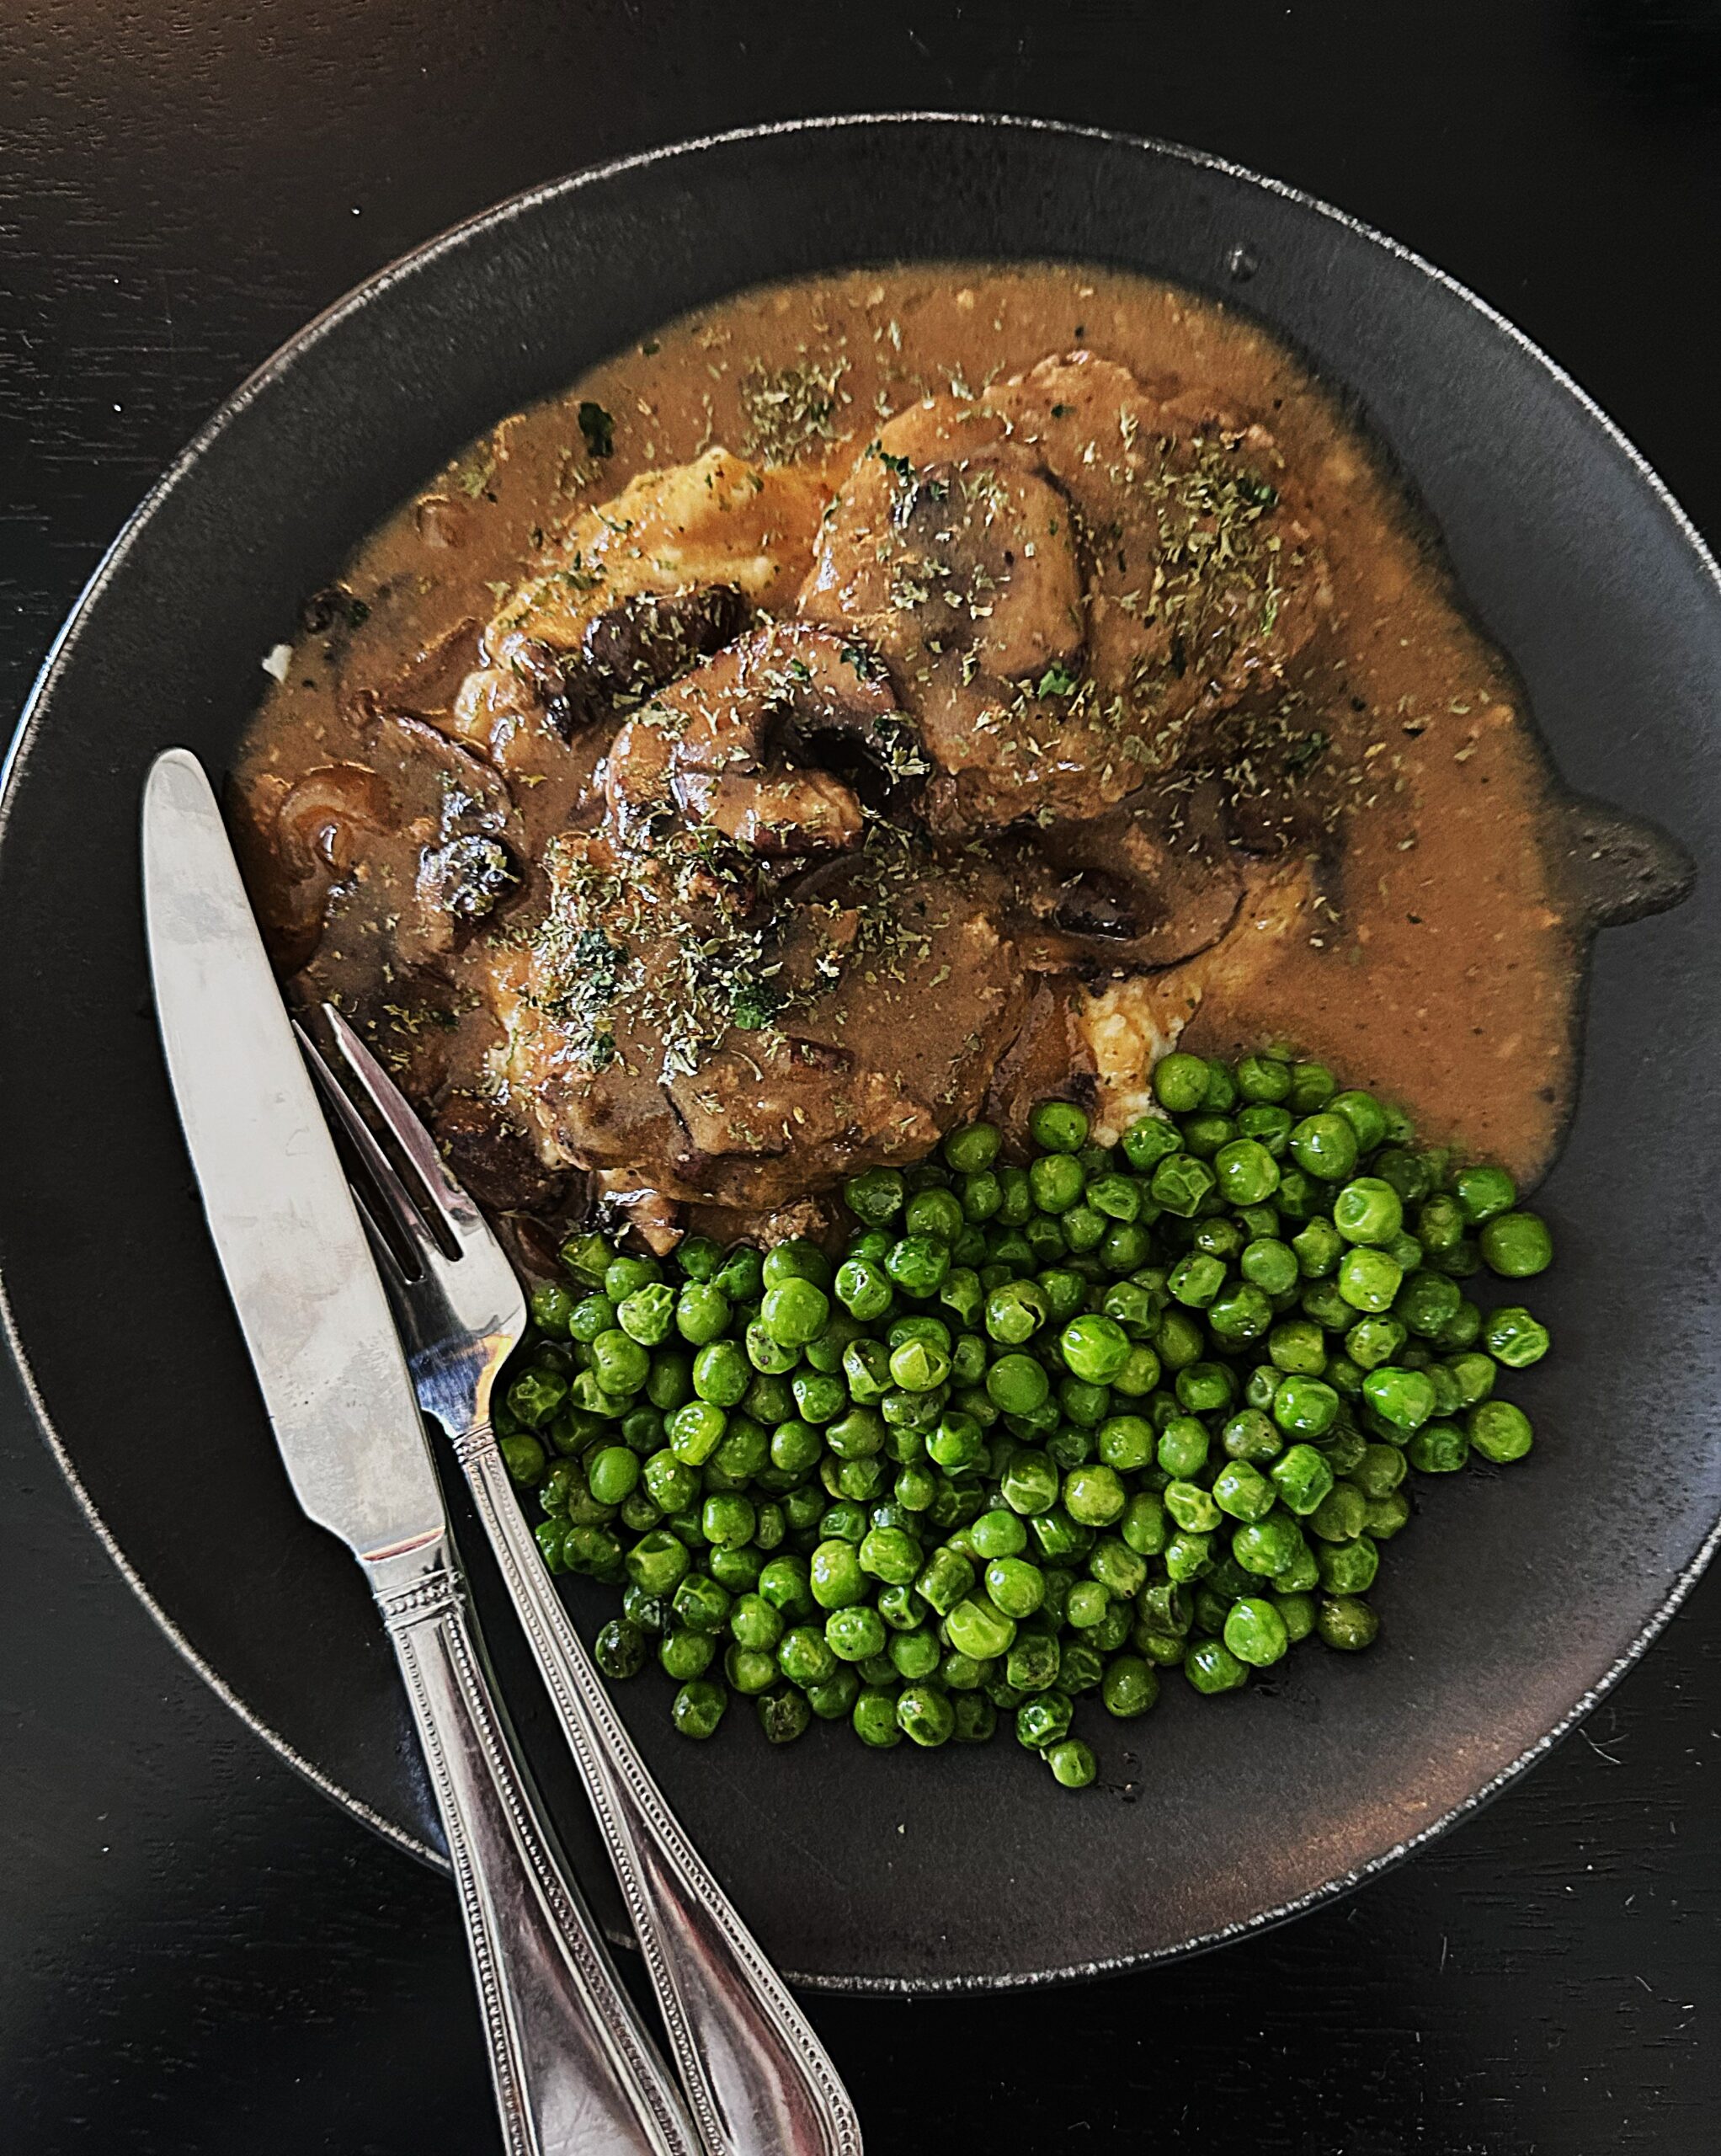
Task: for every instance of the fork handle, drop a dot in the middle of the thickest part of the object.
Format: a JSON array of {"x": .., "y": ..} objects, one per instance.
[
  {"x": 573, "y": 2071},
  {"x": 757, "y": 2080}
]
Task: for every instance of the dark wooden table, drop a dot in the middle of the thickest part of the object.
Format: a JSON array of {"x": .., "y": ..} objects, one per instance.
[{"x": 200, "y": 1954}]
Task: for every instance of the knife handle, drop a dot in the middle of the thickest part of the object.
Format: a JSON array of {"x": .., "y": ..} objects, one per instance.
[
  {"x": 574, "y": 2070},
  {"x": 758, "y": 2082}
]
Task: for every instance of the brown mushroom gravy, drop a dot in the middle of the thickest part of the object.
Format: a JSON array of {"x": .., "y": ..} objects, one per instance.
[{"x": 889, "y": 695}]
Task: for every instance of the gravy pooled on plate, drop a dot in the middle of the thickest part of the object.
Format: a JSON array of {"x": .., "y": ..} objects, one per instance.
[{"x": 886, "y": 698}]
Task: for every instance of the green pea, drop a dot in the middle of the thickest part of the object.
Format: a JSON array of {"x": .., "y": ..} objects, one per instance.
[
  {"x": 623, "y": 1275},
  {"x": 1341, "y": 1515},
  {"x": 1016, "y": 1310},
  {"x": 685, "y": 1651},
  {"x": 1305, "y": 1407},
  {"x": 1118, "y": 1568},
  {"x": 1270, "y": 1265},
  {"x": 1404, "y": 1398},
  {"x": 1312, "y": 1086},
  {"x": 1263, "y": 1078},
  {"x": 891, "y": 1554},
  {"x": 1191, "y": 1506},
  {"x": 1372, "y": 1341},
  {"x": 1044, "y": 1720},
  {"x": 914, "y": 1653},
  {"x": 1302, "y": 1478},
  {"x": 1179, "y": 1183},
  {"x": 1139, "y": 1375},
  {"x": 658, "y": 1562},
  {"x": 1195, "y": 1279},
  {"x": 1462, "y": 1329},
  {"x": 1268, "y": 1126},
  {"x": 1056, "y": 1181},
  {"x": 1296, "y": 1347},
  {"x": 1118, "y": 1196},
  {"x": 698, "y": 1707},
  {"x": 696, "y": 1431},
  {"x": 863, "y": 1287},
  {"x": 1364, "y": 1114},
  {"x": 1483, "y": 1194},
  {"x": 671, "y": 1483},
  {"x": 784, "y": 1714},
  {"x": 1087, "y": 1604},
  {"x": 753, "y": 1622},
  {"x": 702, "y": 1603},
  {"x": 1211, "y": 1668},
  {"x": 925, "y": 1715},
  {"x": 975, "y": 1719},
  {"x": 1206, "y": 1388},
  {"x": 1499, "y": 1430},
  {"x": 1094, "y": 1495},
  {"x": 1018, "y": 1384},
  {"x": 1250, "y": 1435},
  {"x": 1016, "y": 1587},
  {"x": 1380, "y": 1470},
  {"x": 670, "y": 1385},
  {"x": 1368, "y": 1210},
  {"x": 698, "y": 1257},
  {"x": 1059, "y": 1126},
  {"x": 855, "y": 1633},
  {"x": 587, "y": 1255},
  {"x": 526, "y": 1459},
  {"x": 1247, "y": 1171},
  {"x": 1345, "y": 1623},
  {"x": 1515, "y": 1337},
  {"x": 1517, "y": 1244},
  {"x": 750, "y": 1671},
  {"x": 979, "y": 1628},
  {"x": 1125, "y": 1248},
  {"x": 1094, "y": 1348},
  {"x": 1181, "y": 1082},
  {"x": 611, "y": 1473},
  {"x": 619, "y": 1649},
  {"x": 1368, "y": 1279},
  {"x": 1182, "y": 1449},
  {"x": 534, "y": 1397},
  {"x": 997, "y": 1533},
  {"x": 875, "y": 1717},
  {"x": 794, "y": 1311},
  {"x": 1318, "y": 1247},
  {"x": 1148, "y": 1140},
  {"x": 1324, "y": 1145},
  {"x": 1255, "y": 1632},
  {"x": 1438, "y": 1449},
  {"x": 918, "y": 1264},
  {"x": 876, "y": 1196},
  {"x": 833, "y": 1699},
  {"x": 947, "y": 1579},
  {"x": 835, "y": 1576},
  {"x": 1016, "y": 1201},
  {"x": 805, "y": 1655},
  {"x": 973, "y": 1147},
  {"x": 1348, "y": 1567},
  {"x": 1032, "y": 1662},
  {"x": 1073, "y": 1764},
  {"x": 728, "y": 1520},
  {"x": 1243, "y": 1492},
  {"x": 1269, "y": 1546},
  {"x": 1126, "y": 1442},
  {"x": 720, "y": 1373}
]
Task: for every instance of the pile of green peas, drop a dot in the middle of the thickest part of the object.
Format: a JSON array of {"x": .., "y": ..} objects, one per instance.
[{"x": 1041, "y": 1430}]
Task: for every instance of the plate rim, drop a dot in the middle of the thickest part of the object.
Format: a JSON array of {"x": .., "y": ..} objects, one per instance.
[{"x": 283, "y": 357}]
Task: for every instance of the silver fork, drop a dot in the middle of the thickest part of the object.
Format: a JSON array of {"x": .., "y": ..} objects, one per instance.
[{"x": 757, "y": 2080}]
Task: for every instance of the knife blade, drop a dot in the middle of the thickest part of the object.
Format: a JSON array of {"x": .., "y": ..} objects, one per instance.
[{"x": 292, "y": 1248}]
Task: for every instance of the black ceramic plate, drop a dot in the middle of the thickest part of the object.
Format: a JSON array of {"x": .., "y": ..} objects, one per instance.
[{"x": 1515, "y": 1601}]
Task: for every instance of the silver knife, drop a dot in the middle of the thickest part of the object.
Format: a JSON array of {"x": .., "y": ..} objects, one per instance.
[{"x": 572, "y": 2066}]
